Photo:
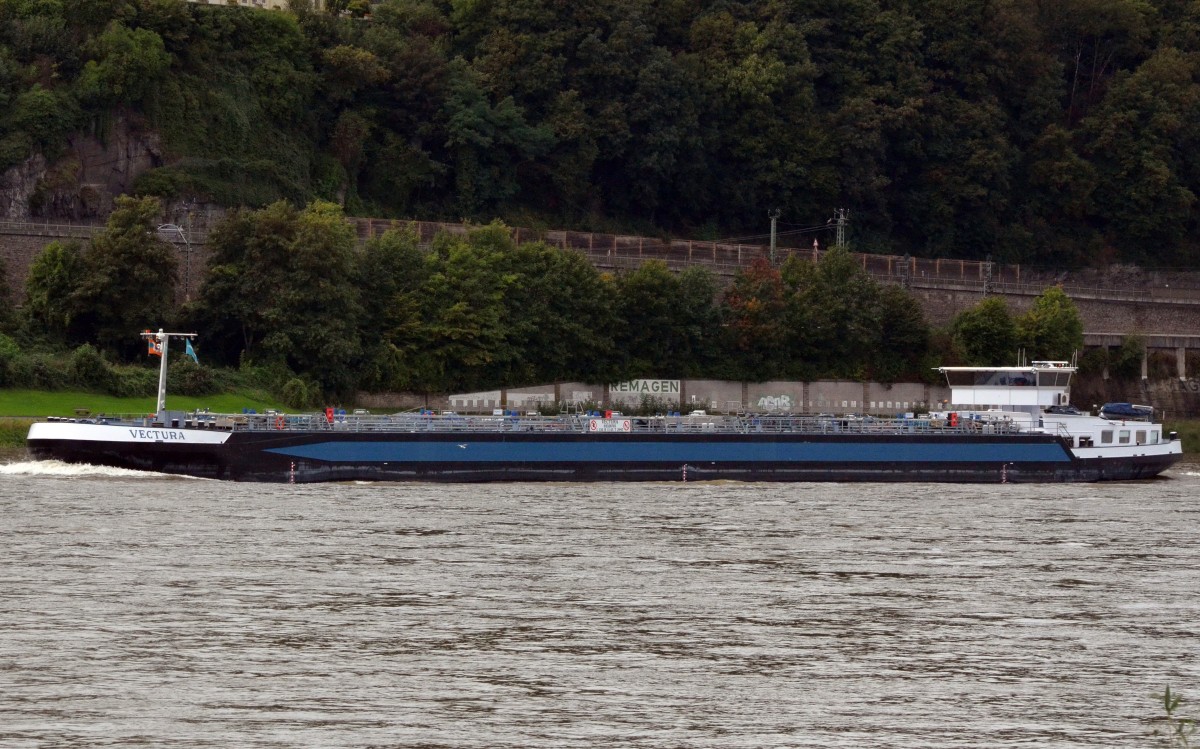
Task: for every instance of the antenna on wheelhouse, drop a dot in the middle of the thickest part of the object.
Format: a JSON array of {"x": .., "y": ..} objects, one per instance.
[{"x": 157, "y": 345}]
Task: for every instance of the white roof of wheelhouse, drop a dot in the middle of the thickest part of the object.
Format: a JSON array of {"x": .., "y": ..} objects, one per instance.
[{"x": 1042, "y": 383}]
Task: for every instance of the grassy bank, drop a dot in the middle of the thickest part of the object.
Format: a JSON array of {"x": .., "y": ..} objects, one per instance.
[
  {"x": 1189, "y": 434},
  {"x": 42, "y": 403},
  {"x": 12, "y": 436}
]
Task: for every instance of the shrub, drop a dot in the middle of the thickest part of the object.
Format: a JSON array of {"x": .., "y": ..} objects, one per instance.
[
  {"x": 268, "y": 376},
  {"x": 88, "y": 370},
  {"x": 134, "y": 382},
  {"x": 10, "y": 355},
  {"x": 1127, "y": 362},
  {"x": 41, "y": 372},
  {"x": 185, "y": 377},
  {"x": 163, "y": 182},
  {"x": 297, "y": 394},
  {"x": 1093, "y": 362}
]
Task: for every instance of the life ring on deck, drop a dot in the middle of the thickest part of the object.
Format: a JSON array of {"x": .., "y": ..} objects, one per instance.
[{"x": 279, "y": 422}]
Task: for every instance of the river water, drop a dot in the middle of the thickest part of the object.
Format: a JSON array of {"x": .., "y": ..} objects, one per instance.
[{"x": 143, "y": 610}]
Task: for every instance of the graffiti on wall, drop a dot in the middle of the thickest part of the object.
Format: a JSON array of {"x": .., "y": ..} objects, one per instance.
[
  {"x": 775, "y": 403},
  {"x": 1190, "y": 385}
]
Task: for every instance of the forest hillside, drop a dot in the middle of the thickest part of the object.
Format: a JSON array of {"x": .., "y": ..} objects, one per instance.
[{"x": 1051, "y": 132}]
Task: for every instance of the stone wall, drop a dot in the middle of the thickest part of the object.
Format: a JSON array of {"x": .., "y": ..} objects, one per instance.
[
  {"x": 1173, "y": 397},
  {"x": 1158, "y": 318},
  {"x": 18, "y": 252},
  {"x": 1099, "y": 315},
  {"x": 19, "y": 248}
]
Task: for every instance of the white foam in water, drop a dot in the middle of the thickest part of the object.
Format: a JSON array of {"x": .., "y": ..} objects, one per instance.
[{"x": 71, "y": 470}]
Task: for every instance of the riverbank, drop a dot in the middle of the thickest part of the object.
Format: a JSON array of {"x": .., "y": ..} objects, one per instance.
[
  {"x": 1189, "y": 434},
  {"x": 12, "y": 434},
  {"x": 38, "y": 404}
]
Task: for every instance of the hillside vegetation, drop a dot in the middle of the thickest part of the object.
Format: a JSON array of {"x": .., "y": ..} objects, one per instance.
[
  {"x": 1062, "y": 133},
  {"x": 1059, "y": 132},
  {"x": 290, "y": 303}
]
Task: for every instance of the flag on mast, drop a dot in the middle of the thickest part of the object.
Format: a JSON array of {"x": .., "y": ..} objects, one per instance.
[
  {"x": 153, "y": 345},
  {"x": 190, "y": 351}
]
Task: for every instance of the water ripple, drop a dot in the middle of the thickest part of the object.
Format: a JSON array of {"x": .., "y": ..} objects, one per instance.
[{"x": 141, "y": 610}]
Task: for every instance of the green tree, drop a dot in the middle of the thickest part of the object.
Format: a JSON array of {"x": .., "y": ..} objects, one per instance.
[
  {"x": 245, "y": 269},
  {"x": 1144, "y": 138},
  {"x": 45, "y": 116},
  {"x": 489, "y": 143},
  {"x": 393, "y": 271},
  {"x": 753, "y": 313},
  {"x": 7, "y": 313},
  {"x": 837, "y": 327},
  {"x": 129, "y": 66},
  {"x": 561, "y": 315},
  {"x": 1052, "y": 328},
  {"x": 320, "y": 305},
  {"x": 652, "y": 333},
  {"x": 1096, "y": 39},
  {"x": 281, "y": 288},
  {"x": 700, "y": 320},
  {"x": 466, "y": 338},
  {"x": 128, "y": 279},
  {"x": 53, "y": 276},
  {"x": 986, "y": 333},
  {"x": 904, "y": 337}
]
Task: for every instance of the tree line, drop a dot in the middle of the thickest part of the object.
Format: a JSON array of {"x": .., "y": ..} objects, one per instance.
[
  {"x": 1059, "y": 132},
  {"x": 288, "y": 290}
]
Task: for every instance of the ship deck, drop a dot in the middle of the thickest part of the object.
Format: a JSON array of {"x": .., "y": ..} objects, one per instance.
[{"x": 564, "y": 424}]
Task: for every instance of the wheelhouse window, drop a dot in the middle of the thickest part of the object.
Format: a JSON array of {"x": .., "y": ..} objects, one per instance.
[
  {"x": 1054, "y": 379},
  {"x": 990, "y": 379}
]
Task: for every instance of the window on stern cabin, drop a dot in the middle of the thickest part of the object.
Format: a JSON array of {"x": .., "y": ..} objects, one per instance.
[
  {"x": 1123, "y": 437},
  {"x": 1106, "y": 437},
  {"x": 1140, "y": 437}
]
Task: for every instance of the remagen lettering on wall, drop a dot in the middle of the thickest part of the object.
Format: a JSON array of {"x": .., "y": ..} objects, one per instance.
[{"x": 647, "y": 387}]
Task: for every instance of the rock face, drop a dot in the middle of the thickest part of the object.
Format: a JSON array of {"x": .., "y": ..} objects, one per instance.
[
  {"x": 81, "y": 185},
  {"x": 17, "y": 185}
]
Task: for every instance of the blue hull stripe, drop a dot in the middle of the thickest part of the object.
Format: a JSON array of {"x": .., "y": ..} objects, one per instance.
[{"x": 695, "y": 452}]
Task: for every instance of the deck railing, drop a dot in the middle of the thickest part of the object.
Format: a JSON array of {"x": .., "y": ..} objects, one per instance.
[{"x": 582, "y": 424}]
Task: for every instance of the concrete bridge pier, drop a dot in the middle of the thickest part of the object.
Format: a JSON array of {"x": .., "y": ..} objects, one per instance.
[{"x": 1179, "y": 343}]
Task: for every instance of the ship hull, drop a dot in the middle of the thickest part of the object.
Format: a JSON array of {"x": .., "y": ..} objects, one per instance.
[{"x": 315, "y": 456}]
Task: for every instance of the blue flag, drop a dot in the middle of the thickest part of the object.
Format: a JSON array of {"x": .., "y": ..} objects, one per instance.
[{"x": 189, "y": 351}]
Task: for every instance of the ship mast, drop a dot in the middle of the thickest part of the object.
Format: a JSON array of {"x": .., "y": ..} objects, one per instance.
[{"x": 158, "y": 347}]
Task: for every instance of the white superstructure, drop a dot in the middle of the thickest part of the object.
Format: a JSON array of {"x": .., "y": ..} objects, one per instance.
[{"x": 1037, "y": 397}]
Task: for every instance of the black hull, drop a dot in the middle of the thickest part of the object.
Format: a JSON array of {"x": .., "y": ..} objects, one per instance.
[{"x": 268, "y": 457}]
